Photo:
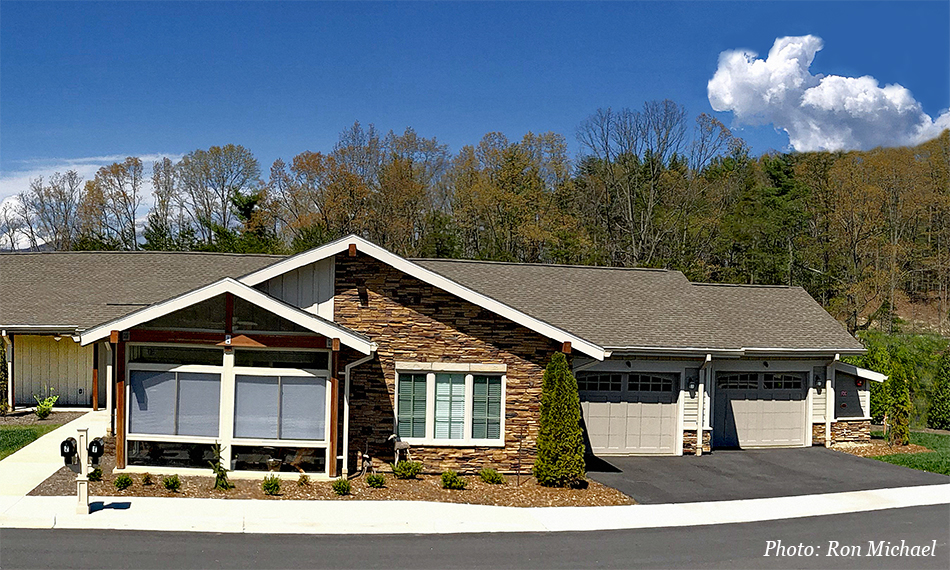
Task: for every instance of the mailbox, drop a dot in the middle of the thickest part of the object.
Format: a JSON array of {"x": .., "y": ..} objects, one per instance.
[
  {"x": 96, "y": 448},
  {"x": 67, "y": 449}
]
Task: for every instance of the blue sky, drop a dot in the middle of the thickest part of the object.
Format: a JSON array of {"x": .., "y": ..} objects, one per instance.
[{"x": 82, "y": 81}]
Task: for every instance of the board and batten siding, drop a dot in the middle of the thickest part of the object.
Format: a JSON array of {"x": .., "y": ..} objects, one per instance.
[
  {"x": 309, "y": 288},
  {"x": 818, "y": 405},
  {"x": 64, "y": 366}
]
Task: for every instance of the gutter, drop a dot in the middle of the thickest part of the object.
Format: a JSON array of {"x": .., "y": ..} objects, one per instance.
[
  {"x": 701, "y": 352},
  {"x": 346, "y": 408}
]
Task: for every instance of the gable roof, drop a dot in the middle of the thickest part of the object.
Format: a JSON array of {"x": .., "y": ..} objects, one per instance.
[
  {"x": 70, "y": 291},
  {"x": 456, "y": 288},
  {"x": 632, "y": 309},
  {"x": 297, "y": 316}
]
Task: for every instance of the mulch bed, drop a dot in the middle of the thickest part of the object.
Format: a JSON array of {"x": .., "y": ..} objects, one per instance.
[
  {"x": 424, "y": 488},
  {"x": 877, "y": 447},
  {"x": 28, "y": 418}
]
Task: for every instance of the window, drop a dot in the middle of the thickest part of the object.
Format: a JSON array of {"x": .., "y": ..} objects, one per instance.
[
  {"x": 181, "y": 355},
  {"x": 279, "y": 407},
  {"x": 486, "y": 407},
  {"x": 787, "y": 381},
  {"x": 599, "y": 382},
  {"x": 449, "y": 406},
  {"x": 174, "y": 403},
  {"x": 312, "y": 360},
  {"x": 412, "y": 405},
  {"x": 649, "y": 383},
  {"x": 738, "y": 381}
]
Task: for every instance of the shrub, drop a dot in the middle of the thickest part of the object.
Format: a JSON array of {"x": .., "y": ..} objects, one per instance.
[
  {"x": 341, "y": 487},
  {"x": 95, "y": 474},
  {"x": 221, "y": 482},
  {"x": 122, "y": 482},
  {"x": 406, "y": 469},
  {"x": 304, "y": 480},
  {"x": 451, "y": 480},
  {"x": 899, "y": 408},
  {"x": 171, "y": 483},
  {"x": 376, "y": 481},
  {"x": 560, "y": 459},
  {"x": 271, "y": 485},
  {"x": 491, "y": 476},
  {"x": 146, "y": 479},
  {"x": 44, "y": 407},
  {"x": 938, "y": 417}
]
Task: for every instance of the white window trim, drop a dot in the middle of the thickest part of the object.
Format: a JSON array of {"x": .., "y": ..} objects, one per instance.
[
  {"x": 470, "y": 370},
  {"x": 227, "y": 403}
]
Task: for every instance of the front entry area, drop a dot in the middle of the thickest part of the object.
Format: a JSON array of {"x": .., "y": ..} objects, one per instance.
[
  {"x": 629, "y": 414},
  {"x": 753, "y": 409}
]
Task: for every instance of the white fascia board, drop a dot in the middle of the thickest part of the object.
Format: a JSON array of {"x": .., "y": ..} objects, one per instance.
[
  {"x": 860, "y": 372},
  {"x": 701, "y": 352},
  {"x": 430, "y": 277},
  {"x": 45, "y": 329},
  {"x": 249, "y": 294}
]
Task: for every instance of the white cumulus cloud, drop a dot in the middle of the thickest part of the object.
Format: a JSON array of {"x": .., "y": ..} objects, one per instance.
[{"x": 819, "y": 112}]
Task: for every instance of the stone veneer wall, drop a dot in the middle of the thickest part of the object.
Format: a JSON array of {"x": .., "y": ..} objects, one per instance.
[
  {"x": 842, "y": 430},
  {"x": 415, "y": 322},
  {"x": 818, "y": 434},
  {"x": 689, "y": 441}
]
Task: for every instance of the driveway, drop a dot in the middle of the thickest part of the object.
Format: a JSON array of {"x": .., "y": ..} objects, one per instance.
[{"x": 751, "y": 474}]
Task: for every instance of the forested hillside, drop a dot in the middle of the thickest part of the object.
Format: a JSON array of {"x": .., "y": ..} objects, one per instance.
[{"x": 866, "y": 233}]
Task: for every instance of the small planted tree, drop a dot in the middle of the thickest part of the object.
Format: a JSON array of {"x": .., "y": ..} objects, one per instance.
[
  {"x": 899, "y": 407},
  {"x": 938, "y": 417},
  {"x": 221, "y": 482},
  {"x": 560, "y": 460}
]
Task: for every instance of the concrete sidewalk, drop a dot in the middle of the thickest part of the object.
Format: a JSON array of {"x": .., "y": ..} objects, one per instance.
[
  {"x": 402, "y": 517},
  {"x": 22, "y": 471}
]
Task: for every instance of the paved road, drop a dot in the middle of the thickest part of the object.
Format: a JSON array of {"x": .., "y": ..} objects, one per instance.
[
  {"x": 752, "y": 474},
  {"x": 721, "y": 546}
]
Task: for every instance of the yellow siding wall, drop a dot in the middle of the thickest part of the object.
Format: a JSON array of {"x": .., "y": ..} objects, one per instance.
[{"x": 63, "y": 365}]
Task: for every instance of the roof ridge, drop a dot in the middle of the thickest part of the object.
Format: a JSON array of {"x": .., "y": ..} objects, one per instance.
[
  {"x": 522, "y": 264},
  {"x": 746, "y": 285}
]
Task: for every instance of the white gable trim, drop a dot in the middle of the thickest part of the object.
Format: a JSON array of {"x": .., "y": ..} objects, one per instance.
[
  {"x": 249, "y": 294},
  {"x": 860, "y": 372},
  {"x": 429, "y": 277}
]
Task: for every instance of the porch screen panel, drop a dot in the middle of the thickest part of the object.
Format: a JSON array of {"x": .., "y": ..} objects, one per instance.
[
  {"x": 486, "y": 407},
  {"x": 412, "y": 405},
  {"x": 303, "y": 404},
  {"x": 199, "y": 396},
  {"x": 152, "y": 409},
  {"x": 256, "y": 406},
  {"x": 449, "y": 406}
]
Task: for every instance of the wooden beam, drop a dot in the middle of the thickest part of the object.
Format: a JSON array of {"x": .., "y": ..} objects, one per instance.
[
  {"x": 334, "y": 412},
  {"x": 258, "y": 340},
  {"x": 352, "y": 250},
  {"x": 336, "y": 345},
  {"x": 566, "y": 348},
  {"x": 120, "y": 407},
  {"x": 95, "y": 377}
]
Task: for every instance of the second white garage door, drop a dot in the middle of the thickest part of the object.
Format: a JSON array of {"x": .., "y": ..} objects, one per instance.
[
  {"x": 630, "y": 414},
  {"x": 759, "y": 410}
]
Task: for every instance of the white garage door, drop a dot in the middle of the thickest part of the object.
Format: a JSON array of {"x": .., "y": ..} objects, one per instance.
[
  {"x": 759, "y": 410},
  {"x": 628, "y": 414}
]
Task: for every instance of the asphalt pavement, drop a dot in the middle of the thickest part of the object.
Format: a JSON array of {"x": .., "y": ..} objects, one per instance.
[
  {"x": 751, "y": 474},
  {"x": 718, "y": 546}
]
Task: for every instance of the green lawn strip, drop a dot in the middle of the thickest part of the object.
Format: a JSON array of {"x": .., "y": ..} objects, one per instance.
[
  {"x": 13, "y": 438},
  {"x": 936, "y": 461}
]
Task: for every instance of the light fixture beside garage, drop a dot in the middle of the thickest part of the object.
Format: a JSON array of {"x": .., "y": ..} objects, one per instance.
[{"x": 765, "y": 363}]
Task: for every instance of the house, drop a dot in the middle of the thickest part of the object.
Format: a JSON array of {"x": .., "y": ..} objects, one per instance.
[{"x": 304, "y": 363}]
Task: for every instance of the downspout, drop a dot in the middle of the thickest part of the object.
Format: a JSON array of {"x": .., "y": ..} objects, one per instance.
[
  {"x": 346, "y": 409},
  {"x": 829, "y": 398},
  {"x": 701, "y": 399},
  {"x": 8, "y": 341}
]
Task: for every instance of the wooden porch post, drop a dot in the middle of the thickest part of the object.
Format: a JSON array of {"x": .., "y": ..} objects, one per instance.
[
  {"x": 119, "y": 371},
  {"x": 11, "y": 393},
  {"x": 334, "y": 407},
  {"x": 95, "y": 377}
]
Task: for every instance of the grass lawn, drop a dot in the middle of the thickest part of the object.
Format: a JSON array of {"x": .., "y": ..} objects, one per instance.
[
  {"x": 937, "y": 461},
  {"x": 13, "y": 438}
]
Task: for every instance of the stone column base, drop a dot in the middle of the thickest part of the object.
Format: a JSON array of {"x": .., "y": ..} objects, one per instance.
[{"x": 689, "y": 441}]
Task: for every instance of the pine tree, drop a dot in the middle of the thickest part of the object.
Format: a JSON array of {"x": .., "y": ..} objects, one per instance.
[
  {"x": 878, "y": 360},
  {"x": 560, "y": 460},
  {"x": 938, "y": 417},
  {"x": 899, "y": 407}
]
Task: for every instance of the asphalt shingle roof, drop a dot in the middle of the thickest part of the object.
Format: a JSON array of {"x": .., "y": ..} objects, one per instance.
[
  {"x": 84, "y": 289},
  {"x": 615, "y": 307}
]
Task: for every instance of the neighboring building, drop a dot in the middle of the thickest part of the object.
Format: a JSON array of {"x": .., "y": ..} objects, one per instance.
[{"x": 303, "y": 363}]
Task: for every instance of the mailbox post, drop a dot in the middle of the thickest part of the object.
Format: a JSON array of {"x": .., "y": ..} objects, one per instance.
[{"x": 82, "y": 479}]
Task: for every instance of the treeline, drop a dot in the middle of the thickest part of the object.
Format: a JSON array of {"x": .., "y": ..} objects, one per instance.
[{"x": 861, "y": 231}]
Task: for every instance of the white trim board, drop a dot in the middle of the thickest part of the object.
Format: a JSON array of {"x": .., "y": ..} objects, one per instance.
[
  {"x": 428, "y": 276},
  {"x": 860, "y": 372},
  {"x": 227, "y": 285}
]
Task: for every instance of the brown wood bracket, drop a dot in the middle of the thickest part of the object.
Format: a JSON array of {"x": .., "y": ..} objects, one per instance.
[
  {"x": 352, "y": 250},
  {"x": 566, "y": 348}
]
